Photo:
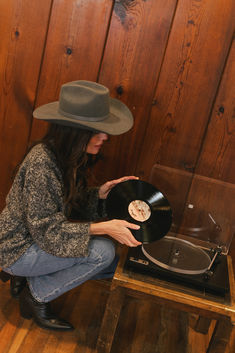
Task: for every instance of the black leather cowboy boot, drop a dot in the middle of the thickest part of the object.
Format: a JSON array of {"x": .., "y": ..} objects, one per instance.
[
  {"x": 17, "y": 283},
  {"x": 41, "y": 313}
]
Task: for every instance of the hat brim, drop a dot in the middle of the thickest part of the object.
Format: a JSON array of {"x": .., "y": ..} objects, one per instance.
[{"x": 119, "y": 120}]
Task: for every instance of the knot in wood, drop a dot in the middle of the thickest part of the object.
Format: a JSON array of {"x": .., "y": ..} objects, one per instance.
[
  {"x": 119, "y": 90},
  {"x": 69, "y": 51},
  {"x": 221, "y": 109}
]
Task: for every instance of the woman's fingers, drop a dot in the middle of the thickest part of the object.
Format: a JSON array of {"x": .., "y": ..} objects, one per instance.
[
  {"x": 118, "y": 229},
  {"x": 114, "y": 182},
  {"x": 131, "y": 225},
  {"x": 132, "y": 241},
  {"x": 105, "y": 188},
  {"x": 125, "y": 178}
]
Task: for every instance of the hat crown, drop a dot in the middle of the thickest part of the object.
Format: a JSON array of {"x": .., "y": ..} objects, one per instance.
[
  {"x": 84, "y": 99},
  {"x": 87, "y": 105}
]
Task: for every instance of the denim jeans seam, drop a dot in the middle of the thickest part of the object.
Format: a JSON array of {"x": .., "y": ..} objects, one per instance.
[{"x": 42, "y": 299}]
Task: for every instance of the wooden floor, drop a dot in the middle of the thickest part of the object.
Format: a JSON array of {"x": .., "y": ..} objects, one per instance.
[{"x": 144, "y": 327}]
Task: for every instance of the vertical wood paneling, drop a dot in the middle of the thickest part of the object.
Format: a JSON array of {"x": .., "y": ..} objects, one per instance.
[
  {"x": 132, "y": 60},
  {"x": 211, "y": 215},
  {"x": 74, "y": 48},
  {"x": 175, "y": 185},
  {"x": 198, "y": 46},
  {"x": 166, "y": 61},
  {"x": 23, "y": 27},
  {"x": 217, "y": 159}
]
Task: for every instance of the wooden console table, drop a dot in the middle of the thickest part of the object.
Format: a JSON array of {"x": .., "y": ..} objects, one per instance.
[{"x": 145, "y": 287}]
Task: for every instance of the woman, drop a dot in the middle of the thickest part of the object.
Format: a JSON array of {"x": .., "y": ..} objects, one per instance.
[{"x": 39, "y": 238}]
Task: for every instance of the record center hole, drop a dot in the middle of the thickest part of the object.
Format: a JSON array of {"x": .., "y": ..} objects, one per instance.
[
  {"x": 177, "y": 252},
  {"x": 139, "y": 210}
]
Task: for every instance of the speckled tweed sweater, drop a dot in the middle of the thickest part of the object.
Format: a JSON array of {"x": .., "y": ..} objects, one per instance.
[{"x": 34, "y": 212}]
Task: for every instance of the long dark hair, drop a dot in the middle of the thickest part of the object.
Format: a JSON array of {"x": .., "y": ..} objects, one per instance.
[{"x": 69, "y": 147}]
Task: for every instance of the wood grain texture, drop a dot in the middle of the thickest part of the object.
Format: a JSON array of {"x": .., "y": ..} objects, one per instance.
[
  {"x": 130, "y": 68},
  {"x": 84, "y": 307},
  {"x": 144, "y": 326},
  {"x": 198, "y": 46},
  {"x": 110, "y": 320},
  {"x": 180, "y": 296},
  {"x": 21, "y": 49},
  {"x": 175, "y": 185},
  {"x": 217, "y": 159},
  {"x": 173, "y": 333},
  {"x": 74, "y": 48},
  {"x": 172, "y": 63},
  {"x": 197, "y": 339},
  {"x": 209, "y": 217},
  {"x": 221, "y": 338},
  {"x": 157, "y": 329}
]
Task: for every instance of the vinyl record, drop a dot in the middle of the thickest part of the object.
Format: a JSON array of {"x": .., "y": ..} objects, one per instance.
[{"x": 141, "y": 203}]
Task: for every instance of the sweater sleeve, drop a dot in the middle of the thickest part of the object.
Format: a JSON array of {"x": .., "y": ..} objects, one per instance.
[
  {"x": 95, "y": 207},
  {"x": 43, "y": 209}
]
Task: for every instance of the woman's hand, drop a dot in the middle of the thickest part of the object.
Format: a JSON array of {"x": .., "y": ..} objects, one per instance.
[
  {"x": 105, "y": 188},
  {"x": 117, "y": 229}
]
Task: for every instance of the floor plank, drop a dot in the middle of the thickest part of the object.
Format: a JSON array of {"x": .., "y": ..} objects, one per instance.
[{"x": 144, "y": 327}]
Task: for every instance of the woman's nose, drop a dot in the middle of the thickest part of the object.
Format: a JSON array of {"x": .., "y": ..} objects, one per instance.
[{"x": 103, "y": 136}]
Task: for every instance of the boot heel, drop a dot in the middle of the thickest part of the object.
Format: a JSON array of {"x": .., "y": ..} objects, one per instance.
[
  {"x": 24, "y": 312},
  {"x": 4, "y": 276}
]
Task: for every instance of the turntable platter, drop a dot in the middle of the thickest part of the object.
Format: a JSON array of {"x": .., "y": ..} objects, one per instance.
[{"x": 177, "y": 255}]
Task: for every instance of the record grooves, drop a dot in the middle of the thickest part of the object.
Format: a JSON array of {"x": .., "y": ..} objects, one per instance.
[{"x": 141, "y": 203}]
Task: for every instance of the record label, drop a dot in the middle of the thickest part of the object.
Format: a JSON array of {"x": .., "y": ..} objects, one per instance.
[
  {"x": 139, "y": 210},
  {"x": 140, "y": 203}
]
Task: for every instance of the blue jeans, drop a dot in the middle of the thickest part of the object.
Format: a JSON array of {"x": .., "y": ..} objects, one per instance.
[{"x": 49, "y": 276}]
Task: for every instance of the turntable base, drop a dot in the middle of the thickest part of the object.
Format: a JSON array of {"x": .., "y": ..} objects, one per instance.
[{"x": 217, "y": 284}]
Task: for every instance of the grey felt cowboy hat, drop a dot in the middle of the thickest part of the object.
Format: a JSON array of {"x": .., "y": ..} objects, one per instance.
[{"x": 87, "y": 105}]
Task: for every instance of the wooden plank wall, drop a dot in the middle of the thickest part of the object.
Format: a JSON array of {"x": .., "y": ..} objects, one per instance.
[
  {"x": 23, "y": 31},
  {"x": 197, "y": 50},
  {"x": 171, "y": 62},
  {"x": 74, "y": 49}
]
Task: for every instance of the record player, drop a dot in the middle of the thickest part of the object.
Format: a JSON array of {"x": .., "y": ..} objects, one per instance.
[{"x": 187, "y": 225}]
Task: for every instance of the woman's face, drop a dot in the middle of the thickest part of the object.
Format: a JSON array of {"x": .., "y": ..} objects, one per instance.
[{"x": 96, "y": 142}]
